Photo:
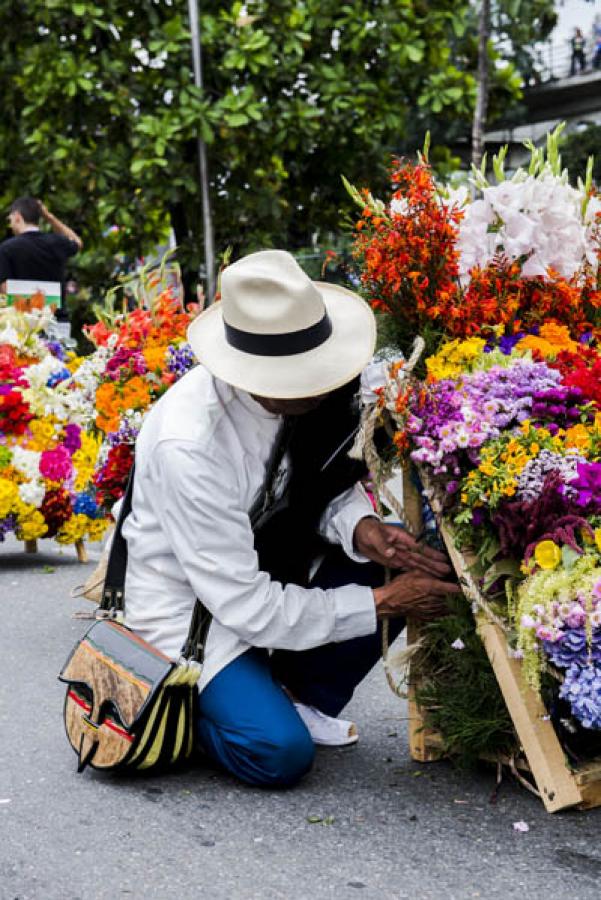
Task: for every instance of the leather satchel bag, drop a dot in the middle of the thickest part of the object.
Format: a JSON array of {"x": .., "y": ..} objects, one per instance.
[{"x": 127, "y": 705}]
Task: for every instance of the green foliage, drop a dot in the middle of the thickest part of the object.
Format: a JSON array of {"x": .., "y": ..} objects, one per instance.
[
  {"x": 575, "y": 152},
  {"x": 459, "y": 692},
  {"x": 100, "y": 113}
]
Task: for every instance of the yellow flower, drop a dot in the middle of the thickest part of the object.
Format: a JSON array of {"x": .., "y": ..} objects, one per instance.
[
  {"x": 96, "y": 528},
  {"x": 454, "y": 357},
  {"x": 73, "y": 530},
  {"x": 9, "y": 495},
  {"x": 83, "y": 476},
  {"x": 42, "y": 434},
  {"x": 598, "y": 538},
  {"x": 547, "y": 555},
  {"x": 31, "y": 527},
  {"x": 578, "y": 436}
]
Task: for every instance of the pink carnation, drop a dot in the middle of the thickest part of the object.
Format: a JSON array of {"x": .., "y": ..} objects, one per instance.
[{"x": 56, "y": 464}]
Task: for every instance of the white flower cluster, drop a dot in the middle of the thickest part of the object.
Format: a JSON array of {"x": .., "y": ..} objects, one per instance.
[
  {"x": 539, "y": 218},
  {"x": 27, "y": 462},
  {"x": 22, "y": 330}
]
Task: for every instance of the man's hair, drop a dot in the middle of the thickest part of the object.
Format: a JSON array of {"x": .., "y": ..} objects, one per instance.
[{"x": 29, "y": 208}]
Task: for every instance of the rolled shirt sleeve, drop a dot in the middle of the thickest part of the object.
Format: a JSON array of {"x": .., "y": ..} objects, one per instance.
[
  {"x": 340, "y": 519},
  {"x": 197, "y": 498}
]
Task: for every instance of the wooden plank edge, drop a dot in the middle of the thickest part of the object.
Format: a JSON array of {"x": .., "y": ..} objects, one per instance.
[{"x": 546, "y": 758}]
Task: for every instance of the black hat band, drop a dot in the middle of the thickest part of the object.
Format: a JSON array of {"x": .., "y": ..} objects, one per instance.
[{"x": 288, "y": 344}]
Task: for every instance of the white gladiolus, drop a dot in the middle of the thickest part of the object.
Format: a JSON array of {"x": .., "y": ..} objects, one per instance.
[{"x": 535, "y": 217}]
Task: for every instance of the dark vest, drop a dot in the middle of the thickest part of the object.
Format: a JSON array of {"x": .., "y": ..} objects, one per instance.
[{"x": 288, "y": 541}]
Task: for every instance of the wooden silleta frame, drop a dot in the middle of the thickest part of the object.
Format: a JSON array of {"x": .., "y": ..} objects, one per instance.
[{"x": 559, "y": 784}]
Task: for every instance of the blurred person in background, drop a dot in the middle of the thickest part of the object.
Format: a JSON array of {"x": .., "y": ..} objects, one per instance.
[{"x": 32, "y": 254}]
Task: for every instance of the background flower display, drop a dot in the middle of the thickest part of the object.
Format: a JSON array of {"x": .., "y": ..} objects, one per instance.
[
  {"x": 504, "y": 423},
  {"x": 47, "y": 456},
  {"x": 138, "y": 356}
]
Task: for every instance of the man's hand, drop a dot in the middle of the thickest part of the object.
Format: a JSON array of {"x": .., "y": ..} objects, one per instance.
[
  {"x": 59, "y": 227},
  {"x": 392, "y": 546},
  {"x": 414, "y": 594}
]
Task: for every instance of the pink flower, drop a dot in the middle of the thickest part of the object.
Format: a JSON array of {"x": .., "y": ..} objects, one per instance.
[{"x": 56, "y": 464}]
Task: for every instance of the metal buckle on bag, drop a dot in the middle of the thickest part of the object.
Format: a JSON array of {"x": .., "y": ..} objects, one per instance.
[{"x": 114, "y": 596}]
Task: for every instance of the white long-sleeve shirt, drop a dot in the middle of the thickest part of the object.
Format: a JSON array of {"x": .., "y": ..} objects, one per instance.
[{"x": 200, "y": 463}]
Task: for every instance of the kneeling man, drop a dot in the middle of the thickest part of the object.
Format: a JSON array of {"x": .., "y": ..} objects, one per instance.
[{"x": 295, "y": 588}]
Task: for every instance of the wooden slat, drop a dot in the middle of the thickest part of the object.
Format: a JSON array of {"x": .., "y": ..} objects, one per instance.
[
  {"x": 31, "y": 546},
  {"x": 82, "y": 553},
  {"x": 425, "y": 745},
  {"x": 546, "y": 758}
]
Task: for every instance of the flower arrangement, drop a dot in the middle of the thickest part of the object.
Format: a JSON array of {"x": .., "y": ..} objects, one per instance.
[
  {"x": 523, "y": 252},
  {"x": 47, "y": 458},
  {"x": 504, "y": 283},
  {"x": 138, "y": 356}
]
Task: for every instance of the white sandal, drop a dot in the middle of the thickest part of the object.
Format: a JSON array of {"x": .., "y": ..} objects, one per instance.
[{"x": 327, "y": 731}]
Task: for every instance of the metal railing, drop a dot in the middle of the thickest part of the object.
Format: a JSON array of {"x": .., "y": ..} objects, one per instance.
[{"x": 554, "y": 61}]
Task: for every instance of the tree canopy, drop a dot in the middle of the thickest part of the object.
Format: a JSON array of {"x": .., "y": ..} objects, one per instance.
[{"x": 100, "y": 113}]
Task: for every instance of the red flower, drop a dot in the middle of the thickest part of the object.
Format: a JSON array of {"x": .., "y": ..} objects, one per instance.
[{"x": 110, "y": 481}]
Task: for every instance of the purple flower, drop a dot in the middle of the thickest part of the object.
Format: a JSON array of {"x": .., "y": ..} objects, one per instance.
[
  {"x": 586, "y": 487},
  {"x": 72, "y": 438},
  {"x": 6, "y": 525},
  {"x": 56, "y": 349},
  {"x": 582, "y": 689},
  {"x": 180, "y": 359},
  {"x": 126, "y": 362},
  {"x": 508, "y": 342}
]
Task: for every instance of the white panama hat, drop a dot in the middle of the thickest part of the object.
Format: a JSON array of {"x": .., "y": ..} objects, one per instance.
[{"x": 276, "y": 333}]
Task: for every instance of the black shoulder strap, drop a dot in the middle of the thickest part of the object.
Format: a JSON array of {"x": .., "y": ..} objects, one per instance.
[
  {"x": 113, "y": 594},
  {"x": 265, "y": 495}
]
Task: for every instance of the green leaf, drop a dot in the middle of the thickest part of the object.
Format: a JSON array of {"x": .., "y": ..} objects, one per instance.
[
  {"x": 235, "y": 120},
  {"x": 569, "y": 556}
]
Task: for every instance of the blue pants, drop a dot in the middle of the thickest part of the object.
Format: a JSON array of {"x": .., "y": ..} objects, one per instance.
[{"x": 247, "y": 723}]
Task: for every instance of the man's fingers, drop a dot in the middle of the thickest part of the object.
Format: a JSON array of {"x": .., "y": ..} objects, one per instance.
[
  {"x": 417, "y": 561},
  {"x": 440, "y": 588}
]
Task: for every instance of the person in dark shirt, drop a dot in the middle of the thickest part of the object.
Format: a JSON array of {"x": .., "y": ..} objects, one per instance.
[{"x": 33, "y": 254}]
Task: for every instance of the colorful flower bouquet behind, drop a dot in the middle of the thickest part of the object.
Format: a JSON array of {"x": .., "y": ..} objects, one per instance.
[
  {"x": 47, "y": 458},
  {"x": 139, "y": 356},
  {"x": 505, "y": 424}
]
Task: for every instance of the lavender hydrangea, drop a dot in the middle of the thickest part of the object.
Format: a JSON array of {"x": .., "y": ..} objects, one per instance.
[
  {"x": 180, "y": 359},
  {"x": 582, "y": 689},
  {"x": 572, "y": 647}
]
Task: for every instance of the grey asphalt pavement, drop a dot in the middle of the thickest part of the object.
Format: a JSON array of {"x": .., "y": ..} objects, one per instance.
[{"x": 367, "y": 823}]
